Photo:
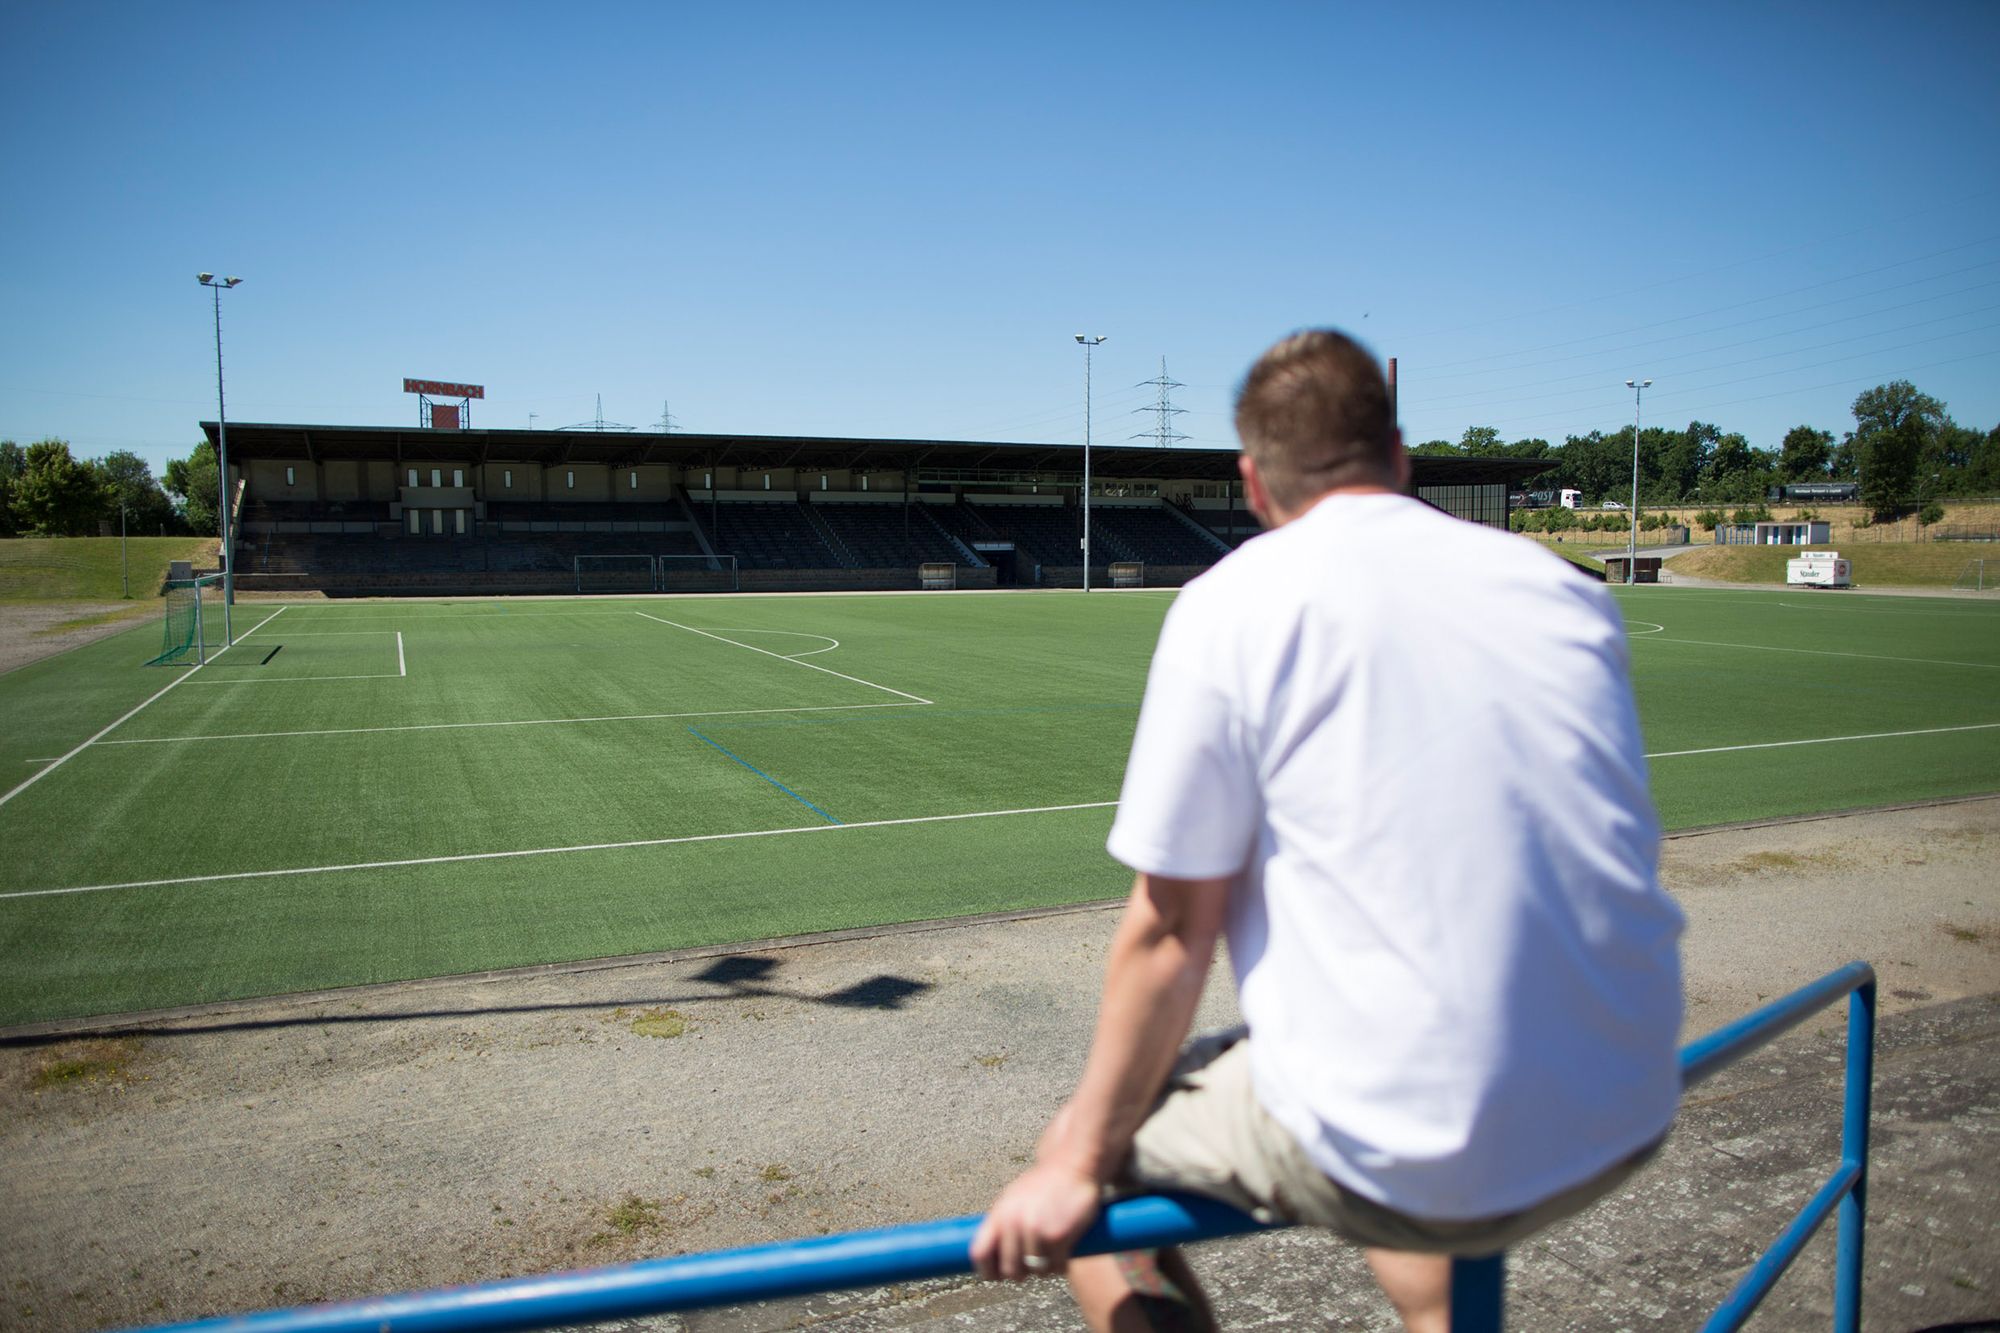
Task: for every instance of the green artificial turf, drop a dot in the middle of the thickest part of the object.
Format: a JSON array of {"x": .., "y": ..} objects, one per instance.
[{"x": 371, "y": 791}]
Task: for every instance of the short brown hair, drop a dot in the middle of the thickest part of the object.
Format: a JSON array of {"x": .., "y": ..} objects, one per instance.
[{"x": 1314, "y": 414}]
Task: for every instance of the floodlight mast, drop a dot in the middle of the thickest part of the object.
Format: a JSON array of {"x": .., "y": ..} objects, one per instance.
[
  {"x": 1637, "y": 387},
  {"x": 1089, "y": 345},
  {"x": 222, "y": 458}
]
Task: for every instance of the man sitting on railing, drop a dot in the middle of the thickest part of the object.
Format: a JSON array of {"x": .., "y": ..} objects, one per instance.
[{"x": 1396, "y": 757}]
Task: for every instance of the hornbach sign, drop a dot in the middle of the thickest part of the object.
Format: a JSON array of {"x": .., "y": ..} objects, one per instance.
[{"x": 442, "y": 389}]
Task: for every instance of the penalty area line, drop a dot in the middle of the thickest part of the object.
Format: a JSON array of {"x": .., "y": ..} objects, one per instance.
[
  {"x": 1823, "y": 740},
  {"x": 554, "y": 851}
]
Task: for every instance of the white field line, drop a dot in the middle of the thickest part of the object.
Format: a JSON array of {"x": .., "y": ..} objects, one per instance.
[
  {"x": 283, "y": 680},
  {"x": 334, "y": 633},
  {"x": 827, "y": 639},
  {"x": 811, "y": 666},
  {"x": 1829, "y": 652},
  {"x": 55, "y": 764},
  {"x": 1823, "y": 740},
  {"x": 402, "y": 669},
  {"x": 553, "y": 851},
  {"x": 525, "y": 722}
]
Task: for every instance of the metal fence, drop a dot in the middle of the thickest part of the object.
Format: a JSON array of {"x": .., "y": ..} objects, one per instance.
[{"x": 941, "y": 1249}]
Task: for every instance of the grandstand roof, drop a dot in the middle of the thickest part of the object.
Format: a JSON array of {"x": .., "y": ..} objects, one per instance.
[{"x": 249, "y": 440}]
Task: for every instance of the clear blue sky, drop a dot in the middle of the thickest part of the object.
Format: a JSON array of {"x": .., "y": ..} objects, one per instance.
[{"x": 888, "y": 220}]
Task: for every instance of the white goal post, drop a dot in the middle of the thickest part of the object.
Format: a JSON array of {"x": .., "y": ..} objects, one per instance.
[
  {"x": 697, "y": 573},
  {"x": 614, "y": 573}
]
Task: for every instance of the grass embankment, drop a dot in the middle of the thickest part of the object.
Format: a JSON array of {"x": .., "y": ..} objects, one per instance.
[
  {"x": 1872, "y": 565},
  {"x": 88, "y": 569}
]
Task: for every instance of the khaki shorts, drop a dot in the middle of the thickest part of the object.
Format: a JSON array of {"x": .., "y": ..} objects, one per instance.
[{"x": 1209, "y": 1135}]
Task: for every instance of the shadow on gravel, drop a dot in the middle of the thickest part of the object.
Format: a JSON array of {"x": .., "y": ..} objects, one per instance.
[{"x": 736, "y": 977}]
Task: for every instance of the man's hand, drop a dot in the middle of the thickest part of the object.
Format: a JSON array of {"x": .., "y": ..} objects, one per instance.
[{"x": 1029, "y": 1230}]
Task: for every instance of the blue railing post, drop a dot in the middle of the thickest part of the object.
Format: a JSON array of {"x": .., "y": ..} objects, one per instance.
[
  {"x": 1477, "y": 1290},
  {"x": 1854, "y": 1152}
]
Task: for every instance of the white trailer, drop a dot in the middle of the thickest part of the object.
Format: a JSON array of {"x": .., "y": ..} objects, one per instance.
[{"x": 1817, "y": 569}]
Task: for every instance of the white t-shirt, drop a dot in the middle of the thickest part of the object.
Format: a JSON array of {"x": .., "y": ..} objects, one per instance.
[{"x": 1414, "y": 739}]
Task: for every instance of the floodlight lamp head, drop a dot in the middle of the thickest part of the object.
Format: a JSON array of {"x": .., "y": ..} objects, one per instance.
[
  {"x": 204, "y": 278},
  {"x": 1631, "y": 384},
  {"x": 1079, "y": 337},
  {"x": 231, "y": 282}
]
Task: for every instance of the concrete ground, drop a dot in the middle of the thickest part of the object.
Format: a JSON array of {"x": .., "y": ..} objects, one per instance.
[{"x": 355, "y": 1142}]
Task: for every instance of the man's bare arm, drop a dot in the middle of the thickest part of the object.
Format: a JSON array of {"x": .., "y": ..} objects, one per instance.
[{"x": 1152, "y": 983}]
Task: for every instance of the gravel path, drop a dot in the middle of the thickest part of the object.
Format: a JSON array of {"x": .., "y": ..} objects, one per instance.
[{"x": 362, "y": 1141}]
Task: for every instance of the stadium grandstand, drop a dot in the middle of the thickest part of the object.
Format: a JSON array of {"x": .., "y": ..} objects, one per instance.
[{"x": 371, "y": 511}]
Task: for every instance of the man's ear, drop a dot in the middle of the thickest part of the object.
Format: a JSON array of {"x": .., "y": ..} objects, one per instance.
[{"x": 1254, "y": 494}]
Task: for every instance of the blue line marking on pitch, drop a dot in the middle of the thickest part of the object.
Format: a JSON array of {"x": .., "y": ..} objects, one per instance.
[{"x": 762, "y": 774}]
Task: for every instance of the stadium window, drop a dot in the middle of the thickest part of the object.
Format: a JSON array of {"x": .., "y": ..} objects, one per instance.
[
  {"x": 864, "y": 481},
  {"x": 767, "y": 481},
  {"x": 413, "y": 476},
  {"x": 822, "y": 481},
  {"x": 708, "y": 481},
  {"x": 507, "y": 479},
  {"x": 569, "y": 480},
  {"x": 291, "y": 476},
  {"x": 437, "y": 476},
  {"x": 437, "y": 522},
  {"x": 416, "y": 517},
  {"x": 635, "y": 480},
  {"x": 458, "y": 476},
  {"x": 458, "y": 521}
]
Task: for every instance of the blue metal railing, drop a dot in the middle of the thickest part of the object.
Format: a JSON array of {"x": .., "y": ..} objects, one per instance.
[{"x": 941, "y": 1249}]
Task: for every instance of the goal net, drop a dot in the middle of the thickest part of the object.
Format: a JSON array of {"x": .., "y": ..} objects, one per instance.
[
  {"x": 697, "y": 573},
  {"x": 935, "y": 576},
  {"x": 181, "y": 639},
  {"x": 1128, "y": 574},
  {"x": 1972, "y": 578},
  {"x": 614, "y": 573}
]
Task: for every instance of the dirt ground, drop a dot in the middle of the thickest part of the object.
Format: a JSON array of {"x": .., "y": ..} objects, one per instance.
[
  {"x": 28, "y": 630},
  {"x": 348, "y": 1143}
]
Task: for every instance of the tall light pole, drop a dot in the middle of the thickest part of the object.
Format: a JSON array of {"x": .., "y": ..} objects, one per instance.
[
  {"x": 1638, "y": 388},
  {"x": 1089, "y": 345},
  {"x": 209, "y": 281}
]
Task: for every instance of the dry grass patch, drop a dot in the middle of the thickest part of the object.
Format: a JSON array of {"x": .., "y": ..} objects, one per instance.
[{"x": 101, "y": 1062}]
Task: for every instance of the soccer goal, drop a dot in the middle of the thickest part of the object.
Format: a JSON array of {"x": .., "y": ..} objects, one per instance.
[
  {"x": 937, "y": 576},
  {"x": 697, "y": 573},
  {"x": 1128, "y": 574},
  {"x": 181, "y": 635},
  {"x": 614, "y": 573},
  {"x": 1972, "y": 578}
]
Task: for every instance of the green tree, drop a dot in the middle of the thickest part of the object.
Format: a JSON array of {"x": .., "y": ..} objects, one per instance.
[
  {"x": 1481, "y": 442},
  {"x": 1893, "y": 423},
  {"x": 13, "y": 462},
  {"x": 193, "y": 480},
  {"x": 56, "y": 496},
  {"x": 1806, "y": 454},
  {"x": 128, "y": 483}
]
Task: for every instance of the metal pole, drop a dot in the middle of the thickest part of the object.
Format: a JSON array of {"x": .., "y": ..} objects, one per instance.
[
  {"x": 222, "y": 477},
  {"x": 124, "y": 561},
  {"x": 1089, "y": 345},
  {"x": 1638, "y": 388}
]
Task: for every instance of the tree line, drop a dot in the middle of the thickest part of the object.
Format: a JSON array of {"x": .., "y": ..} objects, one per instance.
[
  {"x": 1904, "y": 451},
  {"x": 46, "y": 491}
]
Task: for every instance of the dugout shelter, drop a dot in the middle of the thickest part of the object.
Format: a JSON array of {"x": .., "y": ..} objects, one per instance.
[{"x": 374, "y": 510}]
